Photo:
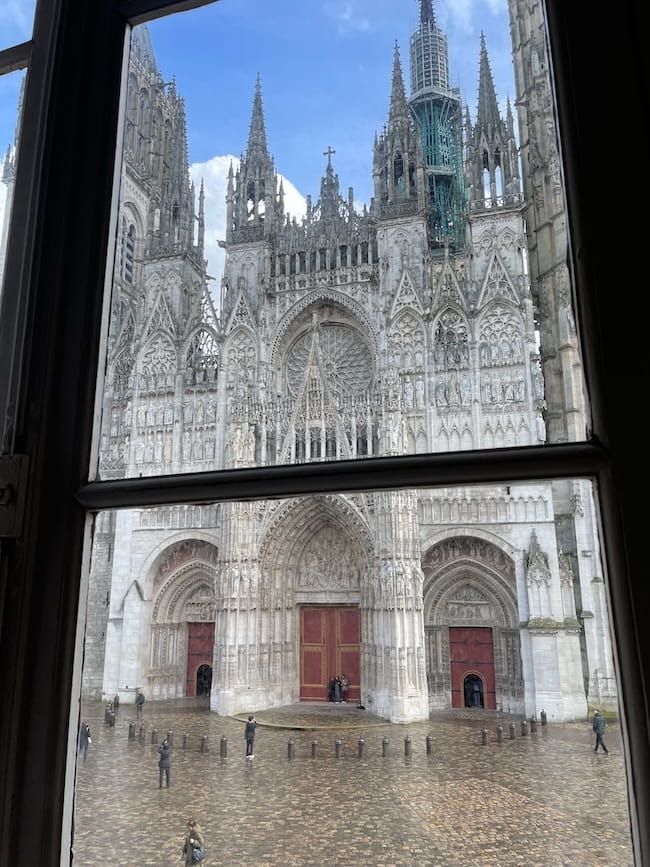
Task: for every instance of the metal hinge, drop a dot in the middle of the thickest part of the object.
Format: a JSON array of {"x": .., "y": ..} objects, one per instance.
[{"x": 13, "y": 478}]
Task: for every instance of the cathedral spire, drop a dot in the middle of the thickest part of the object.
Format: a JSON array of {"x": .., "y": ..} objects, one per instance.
[
  {"x": 488, "y": 108},
  {"x": 329, "y": 189},
  {"x": 257, "y": 146},
  {"x": 492, "y": 163},
  {"x": 426, "y": 13},
  {"x": 398, "y": 114},
  {"x": 253, "y": 205}
]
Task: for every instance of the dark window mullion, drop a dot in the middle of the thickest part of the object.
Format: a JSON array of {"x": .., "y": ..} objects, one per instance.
[{"x": 410, "y": 471}]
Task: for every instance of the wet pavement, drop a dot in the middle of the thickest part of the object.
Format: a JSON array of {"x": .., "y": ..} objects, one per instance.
[{"x": 334, "y": 785}]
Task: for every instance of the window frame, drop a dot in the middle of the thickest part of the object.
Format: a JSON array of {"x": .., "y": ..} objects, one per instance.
[{"x": 52, "y": 326}]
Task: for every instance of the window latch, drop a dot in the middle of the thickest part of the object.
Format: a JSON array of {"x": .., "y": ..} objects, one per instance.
[{"x": 13, "y": 474}]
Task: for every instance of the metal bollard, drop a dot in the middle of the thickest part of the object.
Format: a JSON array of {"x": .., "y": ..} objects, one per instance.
[
  {"x": 223, "y": 747},
  {"x": 142, "y": 733},
  {"x": 361, "y": 746},
  {"x": 543, "y": 716},
  {"x": 429, "y": 742},
  {"x": 512, "y": 731},
  {"x": 186, "y": 741},
  {"x": 484, "y": 736},
  {"x": 154, "y": 736},
  {"x": 131, "y": 731},
  {"x": 407, "y": 746},
  {"x": 499, "y": 734},
  {"x": 290, "y": 750},
  {"x": 384, "y": 746},
  {"x": 204, "y": 743},
  {"x": 524, "y": 728},
  {"x": 533, "y": 724},
  {"x": 170, "y": 738},
  {"x": 314, "y": 749},
  {"x": 337, "y": 748}
]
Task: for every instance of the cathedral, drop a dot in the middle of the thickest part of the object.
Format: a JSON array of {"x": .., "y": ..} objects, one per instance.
[{"x": 436, "y": 318}]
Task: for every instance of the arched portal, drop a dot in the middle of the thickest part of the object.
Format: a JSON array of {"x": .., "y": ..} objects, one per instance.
[
  {"x": 471, "y": 625},
  {"x": 182, "y": 622},
  {"x": 314, "y": 553}
]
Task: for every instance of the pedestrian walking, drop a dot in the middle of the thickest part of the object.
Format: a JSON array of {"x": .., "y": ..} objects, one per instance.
[
  {"x": 249, "y": 734},
  {"x": 194, "y": 846},
  {"x": 165, "y": 764},
  {"x": 116, "y": 703},
  {"x": 599, "y": 727},
  {"x": 84, "y": 740},
  {"x": 139, "y": 702}
]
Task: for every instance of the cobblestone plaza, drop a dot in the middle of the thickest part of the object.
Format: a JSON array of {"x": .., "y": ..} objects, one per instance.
[{"x": 334, "y": 785}]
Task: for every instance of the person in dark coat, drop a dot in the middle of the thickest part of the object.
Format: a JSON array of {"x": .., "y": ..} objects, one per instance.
[
  {"x": 116, "y": 703},
  {"x": 599, "y": 728},
  {"x": 139, "y": 702},
  {"x": 249, "y": 734},
  {"x": 84, "y": 740},
  {"x": 193, "y": 840},
  {"x": 165, "y": 764}
]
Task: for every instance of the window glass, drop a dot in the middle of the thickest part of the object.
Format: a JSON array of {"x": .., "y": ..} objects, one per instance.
[
  {"x": 325, "y": 255},
  {"x": 16, "y": 22},
  {"x": 11, "y": 86},
  {"x": 469, "y": 632}
]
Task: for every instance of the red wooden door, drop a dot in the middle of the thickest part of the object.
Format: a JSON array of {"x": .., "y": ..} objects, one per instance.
[
  {"x": 200, "y": 647},
  {"x": 471, "y": 651},
  {"x": 329, "y": 645}
]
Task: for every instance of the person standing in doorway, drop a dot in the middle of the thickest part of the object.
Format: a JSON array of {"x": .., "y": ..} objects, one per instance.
[
  {"x": 84, "y": 740},
  {"x": 599, "y": 728},
  {"x": 345, "y": 686},
  {"x": 165, "y": 764},
  {"x": 249, "y": 734},
  {"x": 139, "y": 702}
]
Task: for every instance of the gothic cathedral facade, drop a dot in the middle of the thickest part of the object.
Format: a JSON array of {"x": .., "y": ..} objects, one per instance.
[{"x": 437, "y": 318}]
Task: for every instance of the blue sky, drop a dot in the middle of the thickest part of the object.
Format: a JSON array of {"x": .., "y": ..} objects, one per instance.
[{"x": 325, "y": 68}]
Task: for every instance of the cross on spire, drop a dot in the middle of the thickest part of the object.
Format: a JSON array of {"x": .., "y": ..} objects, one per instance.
[{"x": 328, "y": 153}]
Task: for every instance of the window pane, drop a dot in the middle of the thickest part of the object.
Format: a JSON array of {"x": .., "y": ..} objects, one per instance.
[
  {"x": 475, "y": 617},
  {"x": 16, "y": 22},
  {"x": 359, "y": 281},
  {"x": 10, "y": 97}
]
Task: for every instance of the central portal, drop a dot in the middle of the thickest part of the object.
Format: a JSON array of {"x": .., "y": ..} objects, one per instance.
[{"x": 329, "y": 645}]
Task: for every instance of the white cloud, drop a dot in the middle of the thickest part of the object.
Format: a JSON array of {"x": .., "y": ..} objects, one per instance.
[
  {"x": 346, "y": 17},
  {"x": 16, "y": 17},
  {"x": 214, "y": 174}
]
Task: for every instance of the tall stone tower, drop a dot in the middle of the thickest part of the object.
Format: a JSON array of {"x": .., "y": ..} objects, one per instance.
[{"x": 410, "y": 325}]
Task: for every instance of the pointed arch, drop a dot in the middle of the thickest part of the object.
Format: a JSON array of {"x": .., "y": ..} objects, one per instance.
[
  {"x": 314, "y": 546},
  {"x": 407, "y": 341},
  {"x": 157, "y": 363},
  {"x": 201, "y": 356},
  {"x": 240, "y": 359},
  {"x": 500, "y": 336},
  {"x": 450, "y": 340}
]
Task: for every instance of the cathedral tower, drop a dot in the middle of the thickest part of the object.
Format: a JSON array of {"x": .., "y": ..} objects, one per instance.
[{"x": 437, "y": 107}]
